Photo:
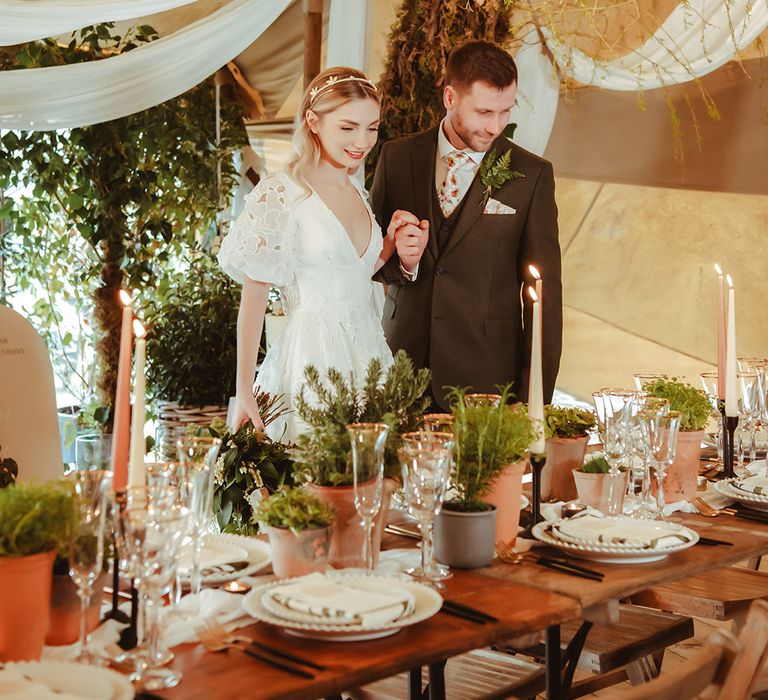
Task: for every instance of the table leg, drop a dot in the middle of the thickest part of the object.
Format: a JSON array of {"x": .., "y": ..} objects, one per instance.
[
  {"x": 572, "y": 654},
  {"x": 552, "y": 663},
  {"x": 437, "y": 681},
  {"x": 414, "y": 684}
]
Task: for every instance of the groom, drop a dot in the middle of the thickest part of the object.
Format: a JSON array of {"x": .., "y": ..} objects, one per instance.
[{"x": 488, "y": 209}]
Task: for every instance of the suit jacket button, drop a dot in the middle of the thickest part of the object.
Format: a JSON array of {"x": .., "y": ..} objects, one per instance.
[{"x": 439, "y": 271}]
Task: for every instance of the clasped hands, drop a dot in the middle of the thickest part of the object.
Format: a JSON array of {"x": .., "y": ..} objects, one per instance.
[{"x": 410, "y": 236}]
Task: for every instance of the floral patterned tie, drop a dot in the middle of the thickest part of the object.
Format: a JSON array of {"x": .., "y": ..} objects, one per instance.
[{"x": 449, "y": 195}]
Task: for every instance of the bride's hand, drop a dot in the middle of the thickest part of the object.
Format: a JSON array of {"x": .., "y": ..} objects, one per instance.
[
  {"x": 410, "y": 242},
  {"x": 399, "y": 219},
  {"x": 246, "y": 408}
]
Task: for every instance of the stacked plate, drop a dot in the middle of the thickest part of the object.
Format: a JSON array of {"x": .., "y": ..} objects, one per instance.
[
  {"x": 57, "y": 680},
  {"x": 618, "y": 539},
  {"x": 752, "y": 491},
  {"x": 343, "y": 606},
  {"x": 226, "y": 557}
]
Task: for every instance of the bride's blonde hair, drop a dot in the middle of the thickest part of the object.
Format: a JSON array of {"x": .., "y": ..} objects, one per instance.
[{"x": 330, "y": 90}]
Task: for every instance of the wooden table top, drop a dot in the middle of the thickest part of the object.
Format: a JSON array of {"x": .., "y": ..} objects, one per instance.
[{"x": 232, "y": 674}]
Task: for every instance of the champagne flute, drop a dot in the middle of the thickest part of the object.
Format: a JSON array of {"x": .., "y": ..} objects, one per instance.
[
  {"x": 368, "y": 440},
  {"x": 617, "y": 406},
  {"x": 661, "y": 432}
]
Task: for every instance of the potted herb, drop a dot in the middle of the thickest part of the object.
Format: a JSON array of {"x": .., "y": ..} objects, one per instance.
[
  {"x": 191, "y": 346},
  {"x": 36, "y": 521},
  {"x": 565, "y": 430},
  {"x": 249, "y": 466},
  {"x": 593, "y": 485},
  {"x": 693, "y": 404},
  {"x": 299, "y": 528},
  {"x": 490, "y": 456},
  {"x": 328, "y": 404}
]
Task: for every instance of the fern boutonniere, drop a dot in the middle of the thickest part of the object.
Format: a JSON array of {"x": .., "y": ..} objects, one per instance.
[{"x": 494, "y": 172}]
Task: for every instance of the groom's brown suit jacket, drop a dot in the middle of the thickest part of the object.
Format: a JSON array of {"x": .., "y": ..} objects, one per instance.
[{"x": 462, "y": 317}]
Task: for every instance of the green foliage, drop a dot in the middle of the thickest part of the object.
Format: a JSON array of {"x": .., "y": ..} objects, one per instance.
[
  {"x": 494, "y": 172},
  {"x": 488, "y": 438},
  {"x": 249, "y": 461},
  {"x": 692, "y": 403},
  {"x": 328, "y": 404},
  {"x": 596, "y": 465},
  {"x": 295, "y": 509},
  {"x": 9, "y": 470},
  {"x": 419, "y": 42},
  {"x": 561, "y": 422},
  {"x": 92, "y": 209},
  {"x": 35, "y": 518},
  {"x": 192, "y": 335}
]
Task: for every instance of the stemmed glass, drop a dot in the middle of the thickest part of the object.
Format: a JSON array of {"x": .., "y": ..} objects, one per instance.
[
  {"x": 617, "y": 411},
  {"x": 645, "y": 405},
  {"x": 93, "y": 451},
  {"x": 642, "y": 379},
  {"x": 368, "y": 440},
  {"x": 438, "y": 422},
  {"x": 709, "y": 381},
  {"x": 425, "y": 477},
  {"x": 749, "y": 384},
  {"x": 86, "y": 547},
  {"x": 492, "y": 400},
  {"x": 661, "y": 431}
]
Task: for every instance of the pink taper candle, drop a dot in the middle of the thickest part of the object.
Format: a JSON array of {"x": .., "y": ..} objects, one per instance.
[
  {"x": 121, "y": 424},
  {"x": 535, "y": 382},
  {"x": 731, "y": 386},
  {"x": 720, "y": 333}
]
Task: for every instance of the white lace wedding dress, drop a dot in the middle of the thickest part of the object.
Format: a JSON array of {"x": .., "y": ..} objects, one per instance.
[{"x": 295, "y": 242}]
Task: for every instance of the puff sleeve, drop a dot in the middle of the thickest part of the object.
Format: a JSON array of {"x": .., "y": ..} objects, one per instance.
[{"x": 258, "y": 244}]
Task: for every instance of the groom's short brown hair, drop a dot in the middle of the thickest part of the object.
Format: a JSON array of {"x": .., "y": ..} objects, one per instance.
[{"x": 480, "y": 60}]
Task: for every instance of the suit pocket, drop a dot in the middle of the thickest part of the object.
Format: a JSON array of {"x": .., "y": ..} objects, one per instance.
[{"x": 502, "y": 327}]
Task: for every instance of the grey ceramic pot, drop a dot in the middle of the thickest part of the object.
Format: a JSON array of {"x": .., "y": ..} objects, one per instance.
[{"x": 465, "y": 540}]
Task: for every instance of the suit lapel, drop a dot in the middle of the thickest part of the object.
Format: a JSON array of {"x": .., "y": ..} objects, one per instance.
[
  {"x": 471, "y": 206},
  {"x": 423, "y": 172}
]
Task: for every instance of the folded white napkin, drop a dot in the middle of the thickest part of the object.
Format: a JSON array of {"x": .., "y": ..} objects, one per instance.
[
  {"x": 212, "y": 553},
  {"x": 646, "y": 534},
  {"x": 756, "y": 484},
  {"x": 553, "y": 511},
  {"x": 103, "y": 643},
  {"x": 178, "y": 624},
  {"x": 336, "y": 602},
  {"x": 31, "y": 681}
]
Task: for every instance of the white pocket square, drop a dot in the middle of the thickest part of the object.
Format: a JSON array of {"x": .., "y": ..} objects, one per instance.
[{"x": 494, "y": 206}]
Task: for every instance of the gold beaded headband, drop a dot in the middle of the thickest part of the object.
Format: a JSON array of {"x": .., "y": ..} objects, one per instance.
[{"x": 334, "y": 80}]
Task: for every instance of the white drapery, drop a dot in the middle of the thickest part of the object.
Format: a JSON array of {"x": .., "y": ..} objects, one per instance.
[
  {"x": 27, "y": 20},
  {"x": 69, "y": 96},
  {"x": 348, "y": 32}
]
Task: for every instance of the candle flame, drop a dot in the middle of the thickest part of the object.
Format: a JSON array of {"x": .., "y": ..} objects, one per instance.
[
  {"x": 718, "y": 269},
  {"x": 536, "y": 274},
  {"x": 125, "y": 297},
  {"x": 729, "y": 280},
  {"x": 138, "y": 328},
  {"x": 532, "y": 293}
]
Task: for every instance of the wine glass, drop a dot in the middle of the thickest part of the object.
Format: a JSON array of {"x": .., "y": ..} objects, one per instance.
[
  {"x": 368, "y": 440},
  {"x": 661, "y": 431},
  {"x": 425, "y": 478},
  {"x": 709, "y": 381},
  {"x": 438, "y": 422},
  {"x": 642, "y": 379},
  {"x": 492, "y": 400},
  {"x": 646, "y": 404},
  {"x": 86, "y": 547},
  {"x": 617, "y": 407},
  {"x": 93, "y": 451},
  {"x": 749, "y": 405}
]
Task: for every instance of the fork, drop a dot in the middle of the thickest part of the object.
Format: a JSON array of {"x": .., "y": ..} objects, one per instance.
[{"x": 705, "y": 509}]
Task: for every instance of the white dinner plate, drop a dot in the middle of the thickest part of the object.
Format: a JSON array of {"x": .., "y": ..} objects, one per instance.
[
  {"x": 65, "y": 678},
  {"x": 612, "y": 553},
  {"x": 751, "y": 500},
  {"x": 257, "y": 554},
  {"x": 426, "y": 603},
  {"x": 620, "y": 530}
]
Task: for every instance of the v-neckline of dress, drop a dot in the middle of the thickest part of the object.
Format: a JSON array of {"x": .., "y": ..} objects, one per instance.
[{"x": 344, "y": 228}]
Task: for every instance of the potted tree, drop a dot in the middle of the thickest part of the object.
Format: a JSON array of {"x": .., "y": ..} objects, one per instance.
[
  {"x": 324, "y": 462},
  {"x": 299, "y": 528},
  {"x": 36, "y": 521},
  {"x": 191, "y": 347},
  {"x": 693, "y": 404},
  {"x": 565, "y": 430},
  {"x": 490, "y": 455},
  {"x": 593, "y": 486}
]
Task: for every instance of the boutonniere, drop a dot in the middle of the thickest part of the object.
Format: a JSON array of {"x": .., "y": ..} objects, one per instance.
[{"x": 494, "y": 172}]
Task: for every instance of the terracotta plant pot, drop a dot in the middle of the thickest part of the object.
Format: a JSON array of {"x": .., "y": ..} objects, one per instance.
[
  {"x": 465, "y": 540},
  {"x": 299, "y": 554},
  {"x": 680, "y": 481},
  {"x": 505, "y": 493},
  {"x": 25, "y": 601},
  {"x": 64, "y": 626},
  {"x": 563, "y": 456},
  {"x": 594, "y": 489},
  {"x": 347, "y": 537}
]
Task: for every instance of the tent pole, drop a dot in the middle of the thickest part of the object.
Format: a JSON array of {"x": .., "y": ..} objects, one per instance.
[{"x": 313, "y": 38}]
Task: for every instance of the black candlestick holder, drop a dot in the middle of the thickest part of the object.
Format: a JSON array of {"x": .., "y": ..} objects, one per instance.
[
  {"x": 120, "y": 501},
  {"x": 537, "y": 464},
  {"x": 729, "y": 429}
]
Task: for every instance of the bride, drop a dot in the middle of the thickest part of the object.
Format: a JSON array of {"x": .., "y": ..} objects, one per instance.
[{"x": 311, "y": 232}]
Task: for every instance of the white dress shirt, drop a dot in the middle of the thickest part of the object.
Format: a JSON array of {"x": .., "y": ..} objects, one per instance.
[{"x": 466, "y": 174}]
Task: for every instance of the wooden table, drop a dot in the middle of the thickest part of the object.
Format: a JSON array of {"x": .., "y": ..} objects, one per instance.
[{"x": 525, "y": 597}]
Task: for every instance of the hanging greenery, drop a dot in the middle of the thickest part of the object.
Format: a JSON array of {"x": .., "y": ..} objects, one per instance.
[{"x": 90, "y": 210}]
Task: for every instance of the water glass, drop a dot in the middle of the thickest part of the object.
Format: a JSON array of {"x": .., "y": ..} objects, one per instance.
[
  {"x": 425, "y": 479},
  {"x": 368, "y": 440},
  {"x": 661, "y": 431},
  {"x": 709, "y": 381},
  {"x": 93, "y": 451},
  {"x": 642, "y": 379},
  {"x": 749, "y": 415},
  {"x": 86, "y": 547},
  {"x": 438, "y": 422},
  {"x": 492, "y": 400}
]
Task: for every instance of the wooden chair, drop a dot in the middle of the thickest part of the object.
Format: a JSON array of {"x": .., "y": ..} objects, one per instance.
[{"x": 723, "y": 669}]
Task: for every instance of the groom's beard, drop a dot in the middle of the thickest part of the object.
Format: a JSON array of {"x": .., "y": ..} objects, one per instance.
[{"x": 479, "y": 142}]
